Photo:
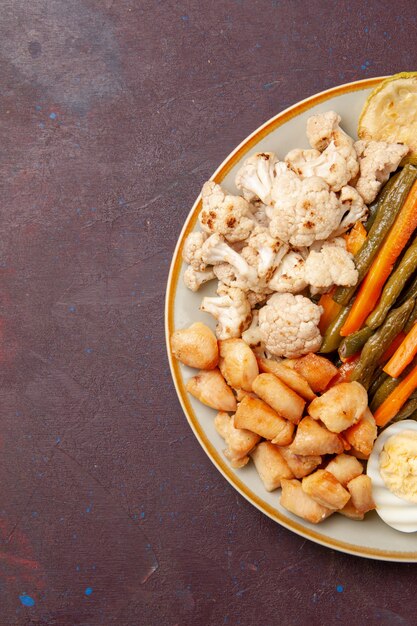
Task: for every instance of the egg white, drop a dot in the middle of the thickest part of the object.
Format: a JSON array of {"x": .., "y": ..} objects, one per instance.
[{"x": 394, "y": 511}]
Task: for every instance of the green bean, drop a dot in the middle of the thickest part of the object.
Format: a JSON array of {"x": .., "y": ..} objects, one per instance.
[
  {"x": 354, "y": 343},
  {"x": 394, "y": 286},
  {"x": 379, "y": 342},
  {"x": 374, "y": 206},
  {"x": 378, "y": 378},
  {"x": 411, "y": 320},
  {"x": 332, "y": 338},
  {"x": 383, "y": 221},
  {"x": 409, "y": 410},
  {"x": 410, "y": 291},
  {"x": 383, "y": 392}
]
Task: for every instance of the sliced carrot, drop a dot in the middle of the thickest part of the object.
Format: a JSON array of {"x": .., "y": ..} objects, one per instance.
[
  {"x": 330, "y": 310},
  {"x": 373, "y": 283},
  {"x": 392, "y": 348},
  {"x": 344, "y": 372},
  {"x": 355, "y": 238},
  {"x": 397, "y": 398},
  {"x": 404, "y": 354}
]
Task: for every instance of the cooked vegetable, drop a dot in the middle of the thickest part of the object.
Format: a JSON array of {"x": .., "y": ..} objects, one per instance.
[
  {"x": 410, "y": 322},
  {"x": 374, "y": 206},
  {"x": 332, "y": 339},
  {"x": 394, "y": 286},
  {"x": 396, "y": 400},
  {"x": 381, "y": 268},
  {"x": 383, "y": 392},
  {"x": 356, "y": 238},
  {"x": 395, "y": 343},
  {"x": 404, "y": 354},
  {"x": 389, "y": 112},
  {"x": 409, "y": 410},
  {"x": 354, "y": 343},
  {"x": 379, "y": 342},
  {"x": 317, "y": 370},
  {"x": 344, "y": 371},
  {"x": 384, "y": 219},
  {"x": 330, "y": 310}
]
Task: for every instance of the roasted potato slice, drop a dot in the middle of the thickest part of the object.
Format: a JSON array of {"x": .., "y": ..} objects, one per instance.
[
  {"x": 313, "y": 439},
  {"x": 350, "y": 511},
  {"x": 340, "y": 407},
  {"x": 211, "y": 389},
  {"x": 238, "y": 364},
  {"x": 196, "y": 346},
  {"x": 317, "y": 370},
  {"x": 280, "y": 397},
  {"x": 239, "y": 442},
  {"x": 361, "y": 436},
  {"x": 300, "y": 465},
  {"x": 289, "y": 376},
  {"x": 325, "y": 489},
  {"x": 360, "y": 489},
  {"x": 255, "y": 415},
  {"x": 270, "y": 464},
  {"x": 294, "y": 499},
  {"x": 344, "y": 468}
]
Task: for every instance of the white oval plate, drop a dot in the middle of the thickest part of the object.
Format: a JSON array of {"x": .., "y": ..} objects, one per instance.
[{"x": 370, "y": 538}]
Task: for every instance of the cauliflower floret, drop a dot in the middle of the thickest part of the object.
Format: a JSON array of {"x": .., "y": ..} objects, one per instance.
[
  {"x": 289, "y": 277},
  {"x": 226, "y": 276},
  {"x": 289, "y": 325},
  {"x": 329, "y": 165},
  {"x": 232, "y": 312},
  {"x": 323, "y": 129},
  {"x": 191, "y": 251},
  {"x": 193, "y": 279},
  {"x": 331, "y": 265},
  {"x": 264, "y": 252},
  {"x": 225, "y": 214},
  {"x": 258, "y": 209},
  {"x": 215, "y": 251},
  {"x": 252, "y": 335},
  {"x": 377, "y": 159},
  {"x": 302, "y": 211},
  {"x": 256, "y": 176},
  {"x": 354, "y": 210}
]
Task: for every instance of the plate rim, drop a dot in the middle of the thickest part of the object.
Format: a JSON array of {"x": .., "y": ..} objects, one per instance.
[{"x": 172, "y": 283}]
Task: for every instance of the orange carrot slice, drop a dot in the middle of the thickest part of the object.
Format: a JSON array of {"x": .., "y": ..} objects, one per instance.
[
  {"x": 404, "y": 354},
  {"x": 397, "y": 398},
  {"x": 345, "y": 370},
  {"x": 355, "y": 238},
  {"x": 373, "y": 283},
  {"x": 330, "y": 310},
  {"x": 392, "y": 348}
]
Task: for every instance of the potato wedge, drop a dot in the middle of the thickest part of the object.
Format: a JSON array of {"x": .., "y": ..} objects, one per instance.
[
  {"x": 300, "y": 465},
  {"x": 360, "y": 489},
  {"x": 325, "y": 489},
  {"x": 340, "y": 407},
  {"x": 313, "y": 439},
  {"x": 361, "y": 436},
  {"x": 280, "y": 397},
  {"x": 294, "y": 499},
  {"x": 211, "y": 389},
  {"x": 317, "y": 370},
  {"x": 270, "y": 465},
  {"x": 238, "y": 364},
  {"x": 344, "y": 467},
  {"x": 196, "y": 346},
  {"x": 255, "y": 415},
  {"x": 289, "y": 376},
  {"x": 239, "y": 442}
]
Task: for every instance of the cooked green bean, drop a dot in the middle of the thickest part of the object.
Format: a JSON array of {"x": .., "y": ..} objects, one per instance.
[
  {"x": 384, "y": 219},
  {"x": 383, "y": 392},
  {"x": 352, "y": 344},
  {"x": 378, "y": 378},
  {"x": 374, "y": 206},
  {"x": 409, "y": 410},
  {"x": 394, "y": 286},
  {"x": 332, "y": 338},
  {"x": 410, "y": 291},
  {"x": 411, "y": 320},
  {"x": 379, "y": 342}
]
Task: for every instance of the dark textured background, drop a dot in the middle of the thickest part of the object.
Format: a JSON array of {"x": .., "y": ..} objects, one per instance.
[{"x": 113, "y": 113}]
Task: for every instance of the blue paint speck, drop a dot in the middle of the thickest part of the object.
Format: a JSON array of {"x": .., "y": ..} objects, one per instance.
[
  {"x": 71, "y": 309},
  {"x": 185, "y": 18},
  {"x": 26, "y": 600},
  {"x": 88, "y": 509},
  {"x": 38, "y": 107},
  {"x": 366, "y": 29},
  {"x": 339, "y": 588},
  {"x": 52, "y": 116},
  {"x": 142, "y": 515},
  {"x": 88, "y": 591},
  {"x": 58, "y": 440},
  {"x": 34, "y": 514},
  {"x": 77, "y": 567},
  {"x": 41, "y": 125},
  {"x": 88, "y": 350}
]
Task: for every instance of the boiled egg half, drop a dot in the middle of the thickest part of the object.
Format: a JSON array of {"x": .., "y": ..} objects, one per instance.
[{"x": 398, "y": 512}]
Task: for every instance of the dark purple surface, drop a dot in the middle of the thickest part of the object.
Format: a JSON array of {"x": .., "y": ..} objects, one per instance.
[{"x": 113, "y": 113}]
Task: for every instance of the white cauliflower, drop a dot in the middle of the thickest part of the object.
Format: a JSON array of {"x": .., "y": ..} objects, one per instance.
[
  {"x": 258, "y": 209},
  {"x": 329, "y": 165},
  {"x": 252, "y": 335},
  {"x": 302, "y": 211},
  {"x": 289, "y": 277},
  {"x": 225, "y": 214},
  {"x": 331, "y": 265},
  {"x": 216, "y": 251},
  {"x": 226, "y": 276},
  {"x": 232, "y": 312},
  {"x": 191, "y": 251},
  {"x": 323, "y": 129},
  {"x": 377, "y": 159},
  {"x": 194, "y": 279},
  {"x": 256, "y": 176},
  {"x": 353, "y": 207},
  {"x": 264, "y": 252},
  {"x": 289, "y": 325}
]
